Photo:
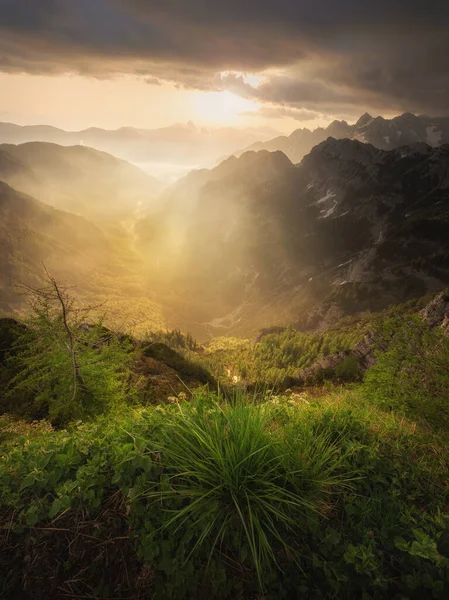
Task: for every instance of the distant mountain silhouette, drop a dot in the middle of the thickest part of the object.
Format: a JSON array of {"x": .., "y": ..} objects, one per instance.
[
  {"x": 385, "y": 134},
  {"x": 178, "y": 148}
]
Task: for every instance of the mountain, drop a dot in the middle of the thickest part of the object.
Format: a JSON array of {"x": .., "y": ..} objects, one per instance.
[
  {"x": 349, "y": 229},
  {"x": 385, "y": 134},
  {"x": 97, "y": 261},
  {"x": 77, "y": 179},
  {"x": 168, "y": 152},
  {"x": 32, "y": 233},
  {"x": 164, "y": 233}
]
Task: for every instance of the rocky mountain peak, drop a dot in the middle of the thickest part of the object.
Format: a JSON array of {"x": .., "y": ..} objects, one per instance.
[
  {"x": 345, "y": 149},
  {"x": 365, "y": 119},
  {"x": 385, "y": 134}
]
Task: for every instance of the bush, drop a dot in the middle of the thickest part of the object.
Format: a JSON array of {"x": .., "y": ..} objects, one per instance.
[{"x": 348, "y": 370}]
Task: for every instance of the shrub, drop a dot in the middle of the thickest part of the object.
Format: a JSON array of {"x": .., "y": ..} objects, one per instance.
[{"x": 348, "y": 370}]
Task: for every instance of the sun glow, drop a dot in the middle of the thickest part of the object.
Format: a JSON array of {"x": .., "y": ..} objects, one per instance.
[{"x": 221, "y": 108}]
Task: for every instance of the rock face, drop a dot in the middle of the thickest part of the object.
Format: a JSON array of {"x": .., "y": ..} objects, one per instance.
[
  {"x": 363, "y": 351},
  {"x": 436, "y": 313}
]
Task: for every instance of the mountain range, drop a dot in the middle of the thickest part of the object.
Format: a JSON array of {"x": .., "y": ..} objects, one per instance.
[
  {"x": 385, "y": 134},
  {"x": 167, "y": 152},
  {"x": 264, "y": 241},
  {"x": 257, "y": 241}
]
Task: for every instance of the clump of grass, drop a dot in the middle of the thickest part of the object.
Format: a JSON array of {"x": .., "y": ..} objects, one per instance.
[{"x": 240, "y": 480}]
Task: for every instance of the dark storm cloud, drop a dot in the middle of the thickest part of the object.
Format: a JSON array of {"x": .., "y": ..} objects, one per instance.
[{"x": 327, "y": 55}]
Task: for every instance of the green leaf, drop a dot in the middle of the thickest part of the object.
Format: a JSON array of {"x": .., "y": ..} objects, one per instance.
[
  {"x": 55, "y": 508},
  {"x": 29, "y": 480},
  {"x": 401, "y": 544},
  {"x": 62, "y": 460}
]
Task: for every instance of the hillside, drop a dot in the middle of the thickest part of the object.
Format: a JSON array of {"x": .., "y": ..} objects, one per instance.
[
  {"x": 99, "y": 262},
  {"x": 78, "y": 179},
  {"x": 32, "y": 232},
  {"x": 385, "y": 134},
  {"x": 157, "y": 487}
]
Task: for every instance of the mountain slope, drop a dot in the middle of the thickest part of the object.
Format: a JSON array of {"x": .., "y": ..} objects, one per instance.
[
  {"x": 385, "y": 134},
  {"x": 350, "y": 228},
  {"x": 32, "y": 232},
  {"x": 77, "y": 179},
  {"x": 99, "y": 264},
  {"x": 168, "y": 235}
]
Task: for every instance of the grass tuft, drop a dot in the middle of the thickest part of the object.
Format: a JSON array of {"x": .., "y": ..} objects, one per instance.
[{"x": 241, "y": 480}]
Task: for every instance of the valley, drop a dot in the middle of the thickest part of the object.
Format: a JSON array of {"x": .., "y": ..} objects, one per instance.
[{"x": 257, "y": 241}]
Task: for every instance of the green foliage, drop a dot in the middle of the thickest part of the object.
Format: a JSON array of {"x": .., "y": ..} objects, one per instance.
[
  {"x": 348, "y": 370},
  {"x": 195, "y": 500},
  {"x": 412, "y": 370},
  {"x": 278, "y": 355},
  {"x": 174, "y": 339},
  {"x": 342, "y": 495},
  {"x": 65, "y": 367}
]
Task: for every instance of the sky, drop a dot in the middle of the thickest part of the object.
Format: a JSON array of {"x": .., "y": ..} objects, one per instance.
[{"x": 257, "y": 63}]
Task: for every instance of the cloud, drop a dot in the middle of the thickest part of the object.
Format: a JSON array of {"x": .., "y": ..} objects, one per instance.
[
  {"x": 280, "y": 112},
  {"x": 328, "y": 56},
  {"x": 153, "y": 81}
]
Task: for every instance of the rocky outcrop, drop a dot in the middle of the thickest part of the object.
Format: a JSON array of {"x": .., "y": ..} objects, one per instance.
[
  {"x": 325, "y": 365},
  {"x": 436, "y": 313},
  {"x": 363, "y": 351}
]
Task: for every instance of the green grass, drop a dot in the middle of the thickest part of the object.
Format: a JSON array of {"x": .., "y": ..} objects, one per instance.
[
  {"x": 317, "y": 497},
  {"x": 241, "y": 480}
]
